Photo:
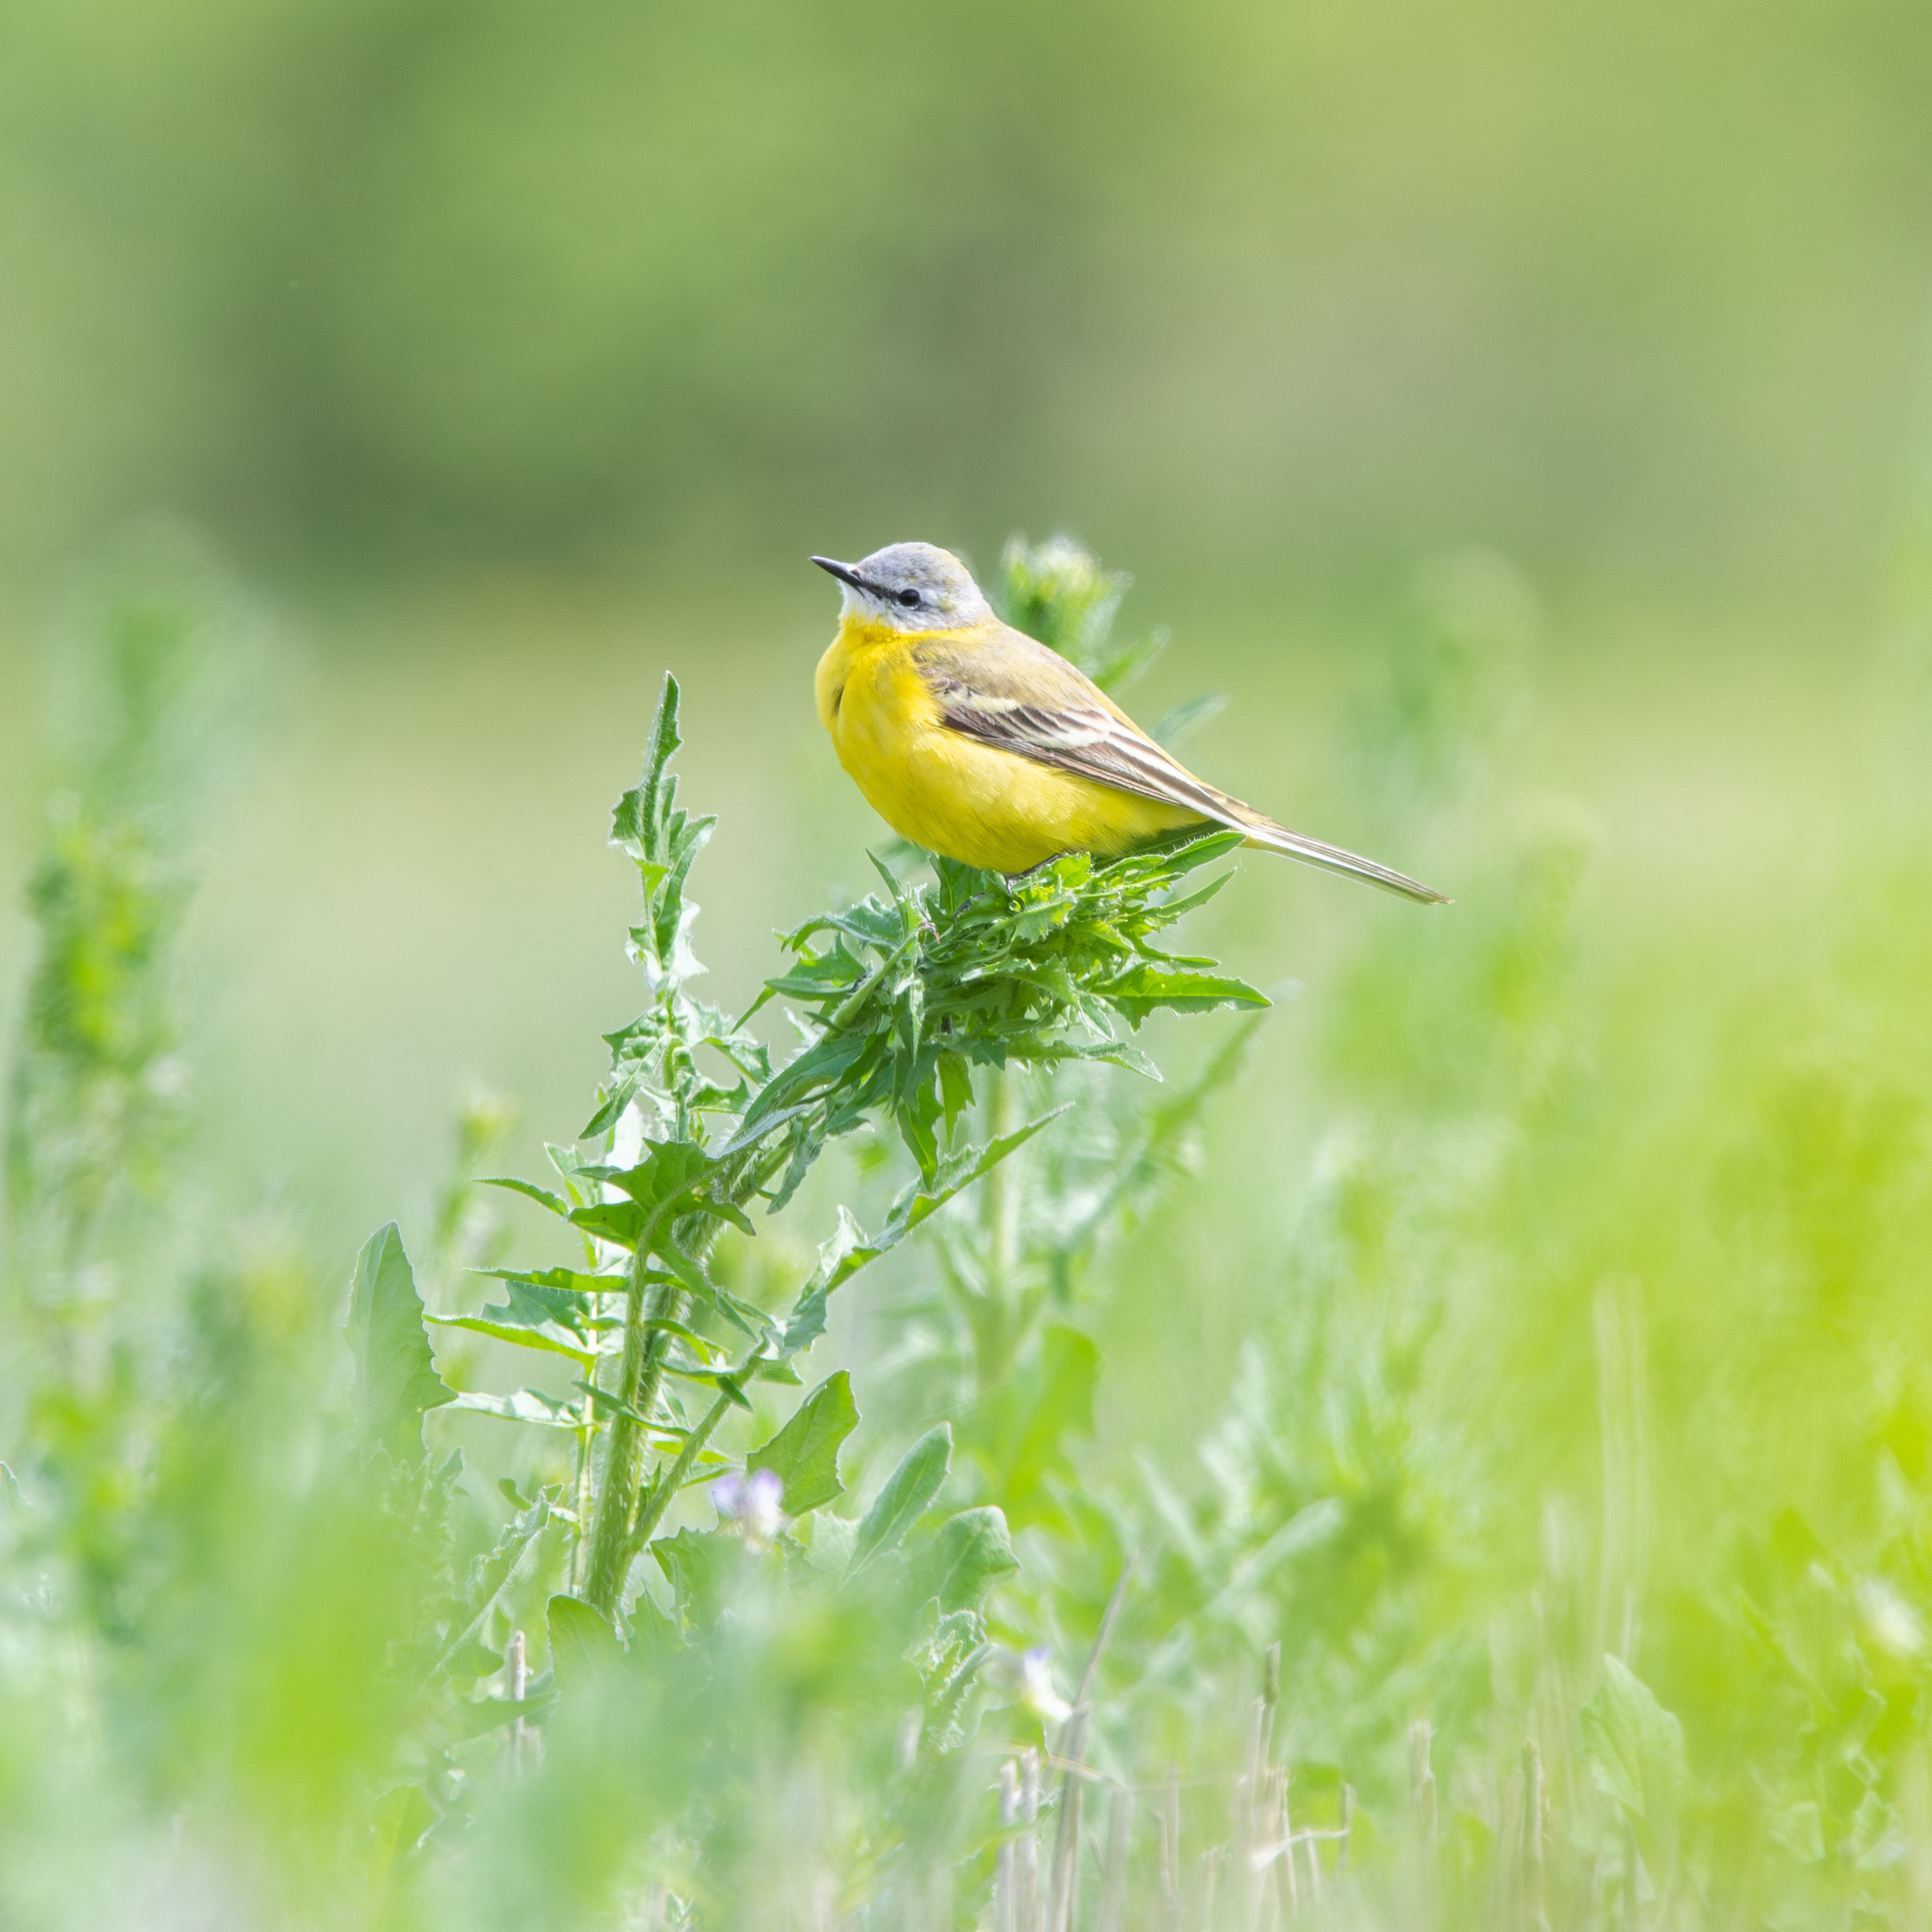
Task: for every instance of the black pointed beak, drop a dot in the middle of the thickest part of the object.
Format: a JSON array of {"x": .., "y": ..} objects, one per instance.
[{"x": 845, "y": 573}]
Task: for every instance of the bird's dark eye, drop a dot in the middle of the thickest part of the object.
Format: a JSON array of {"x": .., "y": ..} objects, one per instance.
[{"x": 908, "y": 598}]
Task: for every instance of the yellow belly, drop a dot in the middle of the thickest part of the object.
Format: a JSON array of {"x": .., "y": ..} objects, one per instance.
[{"x": 955, "y": 795}]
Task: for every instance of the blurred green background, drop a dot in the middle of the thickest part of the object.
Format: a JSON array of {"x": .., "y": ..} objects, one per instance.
[
  {"x": 508, "y": 351},
  {"x": 511, "y": 352}
]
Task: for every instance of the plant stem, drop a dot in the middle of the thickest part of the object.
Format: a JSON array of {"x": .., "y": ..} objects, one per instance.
[
  {"x": 636, "y": 1388},
  {"x": 580, "y": 1499},
  {"x": 642, "y": 1374},
  {"x": 653, "y": 1512}
]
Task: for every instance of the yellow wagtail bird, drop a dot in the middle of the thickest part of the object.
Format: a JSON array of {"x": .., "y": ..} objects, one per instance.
[{"x": 970, "y": 739}]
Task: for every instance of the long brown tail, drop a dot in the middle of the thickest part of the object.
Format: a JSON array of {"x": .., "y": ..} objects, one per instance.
[{"x": 1269, "y": 836}]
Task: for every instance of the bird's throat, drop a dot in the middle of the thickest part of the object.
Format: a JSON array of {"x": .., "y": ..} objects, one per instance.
[{"x": 858, "y": 634}]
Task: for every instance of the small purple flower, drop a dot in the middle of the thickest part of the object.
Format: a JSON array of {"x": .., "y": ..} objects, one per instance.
[
  {"x": 750, "y": 1503},
  {"x": 1025, "y": 1676},
  {"x": 1037, "y": 1692}
]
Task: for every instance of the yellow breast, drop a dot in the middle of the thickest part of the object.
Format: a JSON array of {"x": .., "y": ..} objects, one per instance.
[{"x": 952, "y": 793}]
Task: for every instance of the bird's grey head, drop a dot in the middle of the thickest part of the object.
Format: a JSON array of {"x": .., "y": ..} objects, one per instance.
[{"x": 910, "y": 587}]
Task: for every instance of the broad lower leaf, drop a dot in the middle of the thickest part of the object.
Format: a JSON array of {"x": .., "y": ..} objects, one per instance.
[
  {"x": 1023, "y": 1431},
  {"x": 402, "y": 1818},
  {"x": 489, "y": 1575},
  {"x": 907, "y": 1494},
  {"x": 1634, "y": 1745},
  {"x": 701, "y": 1565},
  {"x": 805, "y": 1452},
  {"x": 537, "y": 1305},
  {"x": 395, "y": 1380},
  {"x": 972, "y": 1555}
]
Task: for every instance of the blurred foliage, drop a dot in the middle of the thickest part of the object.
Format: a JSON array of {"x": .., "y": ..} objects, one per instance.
[
  {"x": 147, "y": 689},
  {"x": 382, "y": 282},
  {"x": 1557, "y": 1555},
  {"x": 1559, "y": 1530}
]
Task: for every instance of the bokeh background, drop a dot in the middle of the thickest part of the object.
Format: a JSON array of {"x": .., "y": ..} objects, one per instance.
[
  {"x": 506, "y": 353},
  {"x": 510, "y": 353}
]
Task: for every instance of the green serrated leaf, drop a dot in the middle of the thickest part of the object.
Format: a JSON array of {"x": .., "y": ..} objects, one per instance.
[
  {"x": 850, "y": 1248},
  {"x": 727, "y": 1383},
  {"x": 1121, "y": 1053},
  {"x": 535, "y": 1316},
  {"x": 663, "y": 1324},
  {"x": 619, "y": 1222},
  {"x": 395, "y": 1379},
  {"x": 726, "y": 1210},
  {"x": 820, "y": 1065},
  {"x": 571, "y": 1281},
  {"x": 607, "y": 1403},
  {"x": 537, "y": 1305},
  {"x": 687, "y": 1269},
  {"x": 956, "y": 1088},
  {"x": 523, "y": 1405},
  {"x": 1141, "y": 992},
  {"x": 805, "y": 1452},
  {"x": 767, "y": 1123},
  {"x": 637, "y": 821},
  {"x": 908, "y": 1491},
  {"x": 551, "y": 1340},
  {"x": 668, "y": 1170},
  {"x": 612, "y": 1103},
  {"x": 1175, "y": 905},
  {"x": 543, "y": 1196}
]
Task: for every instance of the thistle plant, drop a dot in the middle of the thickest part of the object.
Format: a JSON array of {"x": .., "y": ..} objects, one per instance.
[{"x": 911, "y": 1003}]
